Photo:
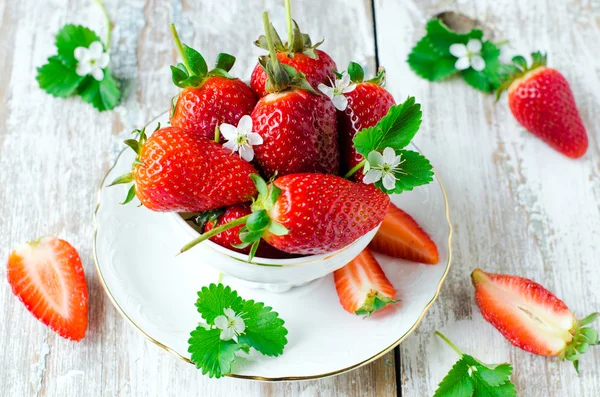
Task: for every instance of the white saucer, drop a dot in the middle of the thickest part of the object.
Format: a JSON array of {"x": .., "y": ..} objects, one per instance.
[{"x": 134, "y": 251}]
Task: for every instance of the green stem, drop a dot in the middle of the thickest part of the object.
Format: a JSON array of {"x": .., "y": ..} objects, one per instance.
[
  {"x": 355, "y": 168},
  {"x": 267, "y": 26},
  {"x": 217, "y": 134},
  {"x": 438, "y": 333},
  {"x": 180, "y": 48},
  {"x": 288, "y": 12},
  {"x": 501, "y": 43},
  {"x": 214, "y": 232},
  {"x": 100, "y": 4}
]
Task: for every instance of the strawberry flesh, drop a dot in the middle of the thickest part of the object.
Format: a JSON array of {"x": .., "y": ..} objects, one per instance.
[
  {"x": 400, "y": 236},
  {"x": 48, "y": 278},
  {"x": 362, "y": 286}
]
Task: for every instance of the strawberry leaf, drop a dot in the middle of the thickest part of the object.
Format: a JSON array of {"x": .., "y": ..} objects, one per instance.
[
  {"x": 103, "y": 95},
  {"x": 457, "y": 382},
  {"x": 71, "y": 37},
  {"x": 57, "y": 79},
  {"x": 264, "y": 329},
  {"x": 196, "y": 62},
  {"x": 211, "y": 354},
  {"x": 212, "y": 300},
  {"x": 225, "y": 61}
]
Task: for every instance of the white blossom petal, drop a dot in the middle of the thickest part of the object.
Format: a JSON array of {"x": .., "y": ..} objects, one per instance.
[
  {"x": 83, "y": 69},
  {"x": 228, "y": 131},
  {"x": 340, "y": 102},
  {"x": 96, "y": 50},
  {"x": 375, "y": 159},
  {"x": 229, "y": 313},
  {"x": 325, "y": 89},
  {"x": 458, "y": 50},
  {"x": 238, "y": 325},
  {"x": 98, "y": 74},
  {"x": 103, "y": 60},
  {"x": 462, "y": 63},
  {"x": 389, "y": 155},
  {"x": 372, "y": 176},
  {"x": 254, "y": 139},
  {"x": 227, "y": 334},
  {"x": 231, "y": 145},
  {"x": 477, "y": 63},
  {"x": 348, "y": 89},
  {"x": 474, "y": 46},
  {"x": 389, "y": 181},
  {"x": 81, "y": 54},
  {"x": 221, "y": 322},
  {"x": 246, "y": 152},
  {"x": 244, "y": 125},
  {"x": 344, "y": 81}
]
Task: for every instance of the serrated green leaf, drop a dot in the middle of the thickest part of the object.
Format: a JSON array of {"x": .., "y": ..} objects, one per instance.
[
  {"x": 493, "y": 375},
  {"x": 71, "y": 37},
  {"x": 214, "y": 299},
  {"x": 457, "y": 383},
  {"x": 492, "y": 76},
  {"x": 415, "y": 170},
  {"x": 430, "y": 63},
  {"x": 57, "y": 79},
  {"x": 264, "y": 329},
  {"x": 103, "y": 95},
  {"x": 196, "y": 61},
  {"x": 211, "y": 354}
]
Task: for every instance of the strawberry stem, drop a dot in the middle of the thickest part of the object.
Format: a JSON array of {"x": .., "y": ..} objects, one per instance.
[
  {"x": 180, "y": 47},
  {"x": 100, "y": 4},
  {"x": 438, "y": 333},
  {"x": 214, "y": 232},
  {"x": 355, "y": 168},
  {"x": 288, "y": 12},
  {"x": 217, "y": 134}
]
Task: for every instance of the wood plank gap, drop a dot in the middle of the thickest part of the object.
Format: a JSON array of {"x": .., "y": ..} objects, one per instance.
[
  {"x": 398, "y": 369},
  {"x": 376, "y": 47}
]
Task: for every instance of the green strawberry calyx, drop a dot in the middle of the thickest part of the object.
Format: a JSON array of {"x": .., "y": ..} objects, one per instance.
[
  {"x": 193, "y": 71},
  {"x": 519, "y": 69},
  {"x": 374, "y": 301},
  {"x": 298, "y": 42},
  {"x": 280, "y": 76},
  {"x": 583, "y": 338},
  {"x": 357, "y": 75},
  {"x": 255, "y": 225},
  {"x": 136, "y": 144}
]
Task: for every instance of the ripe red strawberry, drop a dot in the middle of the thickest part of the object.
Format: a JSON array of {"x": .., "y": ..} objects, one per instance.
[
  {"x": 209, "y": 98},
  {"x": 531, "y": 317},
  {"x": 362, "y": 285},
  {"x": 541, "y": 100},
  {"x": 309, "y": 214},
  {"x": 299, "y": 53},
  {"x": 48, "y": 278},
  {"x": 230, "y": 237},
  {"x": 368, "y": 102},
  {"x": 298, "y": 127},
  {"x": 176, "y": 170},
  {"x": 401, "y": 236}
]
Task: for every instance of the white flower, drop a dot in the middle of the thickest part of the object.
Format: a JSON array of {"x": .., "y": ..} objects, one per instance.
[
  {"x": 91, "y": 60},
  {"x": 468, "y": 55},
  {"x": 383, "y": 167},
  {"x": 230, "y": 324},
  {"x": 241, "y": 138},
  {"x": 336, "y": 93}
]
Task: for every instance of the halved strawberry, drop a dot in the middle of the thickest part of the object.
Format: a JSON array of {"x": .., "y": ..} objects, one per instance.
[
  {"x": 401, "y": 236},
  {"x": 362, "y": 285},
  {"x": 48, "y": 278},
  {"x": 531, "y": 317}
]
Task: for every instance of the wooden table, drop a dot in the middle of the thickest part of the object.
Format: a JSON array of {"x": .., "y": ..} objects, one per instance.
[{"x": 516, "y": 205}]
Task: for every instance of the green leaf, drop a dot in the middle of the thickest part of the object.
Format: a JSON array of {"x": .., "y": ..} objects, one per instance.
[
  {"x": 356, "y": 72},
  {"x": 250, "y": 236},
  {"x": 278, "y": 229},
  {"x": 211, "y": 354},
  {"x": 520, "y": 61},
  {"x": 493, "y": 375},
  {"x": 178, "y": 76},
  {"x": 396, "y": 129},
  {"x": 590, "y": 334},
  {"x": 457, "y": 383},
  {"x": 133, "y": 144},
  {"x": 491, "y": 77},
  {"x": 258, "y": 221},
  {"x": 103, "y": 95},
  {"x": 225, "y": 61},
  {"x": 130, "y": 195},
  {"x": 483, "y": 389},
  {"x": 57, "y": 79},
  {"x": 126, "y": 178},
  {"x": 260, "y": 184},
  {"x": 214, "y": 299},
  {"x": 196, "y": 62},
  {"x": 588, "y": 319},
  {"x": 264, "y": 329},
  {"x": 71, "y": 37},
  {"x": 429, "y": 63},
  {"x": 414, "y": 170}
]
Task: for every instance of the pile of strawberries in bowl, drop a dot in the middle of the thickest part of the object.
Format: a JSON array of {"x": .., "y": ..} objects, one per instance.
[{"x": 295, "y": 168}]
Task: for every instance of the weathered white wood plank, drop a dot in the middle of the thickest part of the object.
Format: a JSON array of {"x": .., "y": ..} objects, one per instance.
[
  {"x": 54, "y": 153},
  {"x": 517, "y": 206}
]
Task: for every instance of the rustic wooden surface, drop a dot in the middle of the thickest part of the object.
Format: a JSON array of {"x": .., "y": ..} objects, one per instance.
[{"x": 516, "y": 205}]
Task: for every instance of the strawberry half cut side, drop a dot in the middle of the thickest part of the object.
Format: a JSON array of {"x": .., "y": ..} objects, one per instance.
[
  {"x": 362, "y": 286},
  {"x": 531, "y": 317},
  {"x": 48, "y": 278}
]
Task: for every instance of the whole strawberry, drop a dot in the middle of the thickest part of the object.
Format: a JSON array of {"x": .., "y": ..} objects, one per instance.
[
  {"x": 209, "y": 98},
  {"x": 308, "y": 214},
  {"x": 299, "y": 53},
  {"x": 360, "y": 104},
  {"x": 531, "y": 317},
  {"x": 541, "y": 100},
  {"x": 230, "y": 238},
  {"x": 176, "y": 170},
  {"x": 298, "y": 126}
]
